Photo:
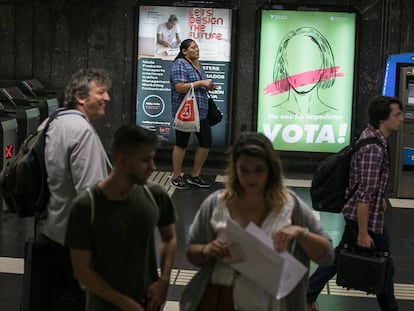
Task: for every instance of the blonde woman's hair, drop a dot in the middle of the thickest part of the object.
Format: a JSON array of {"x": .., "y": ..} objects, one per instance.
[{"x": 256, "y": 145}]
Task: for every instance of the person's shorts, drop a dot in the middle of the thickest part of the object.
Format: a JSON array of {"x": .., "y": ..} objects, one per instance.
[{"x": 204, "y": 136}]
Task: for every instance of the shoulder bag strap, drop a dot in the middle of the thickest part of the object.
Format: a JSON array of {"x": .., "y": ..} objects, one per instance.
[
  {"x": 196, "y": 70},
  {"x": 199, "y": 76}
]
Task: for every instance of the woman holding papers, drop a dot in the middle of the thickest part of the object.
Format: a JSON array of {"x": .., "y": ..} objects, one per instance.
[{"x": 254, "y": 195}]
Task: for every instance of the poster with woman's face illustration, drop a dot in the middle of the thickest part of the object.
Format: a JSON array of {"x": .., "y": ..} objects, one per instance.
[{"x": 306, "y": 72}]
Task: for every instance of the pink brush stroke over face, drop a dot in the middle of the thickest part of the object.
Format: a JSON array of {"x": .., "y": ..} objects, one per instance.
[{"x": 301, "y": 79}]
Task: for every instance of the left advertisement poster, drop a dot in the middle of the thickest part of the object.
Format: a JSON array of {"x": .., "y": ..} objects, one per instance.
[{"x": 158, "y": 45}]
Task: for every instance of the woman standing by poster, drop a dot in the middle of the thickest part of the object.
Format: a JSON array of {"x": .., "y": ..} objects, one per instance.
[{"x": 187, "y": 70}]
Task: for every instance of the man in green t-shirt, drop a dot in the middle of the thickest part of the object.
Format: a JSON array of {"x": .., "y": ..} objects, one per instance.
[{"x": 111, "y": 230}]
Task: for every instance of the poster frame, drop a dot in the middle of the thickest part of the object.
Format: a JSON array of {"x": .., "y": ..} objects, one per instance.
[
  {"x": 307, "y": 8},
  {"x": 227, "y": 4}
]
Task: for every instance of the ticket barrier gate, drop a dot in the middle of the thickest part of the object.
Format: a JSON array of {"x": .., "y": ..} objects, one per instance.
[
  {"x": 34, "y": 90},
  {"x": 9, "y": 141},
  {"x": 12, "y": 95},
  {"x": 28, "y": 120}
]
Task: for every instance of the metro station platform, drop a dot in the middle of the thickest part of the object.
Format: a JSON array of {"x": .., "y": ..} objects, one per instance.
[{"x": 400, "y": 219}]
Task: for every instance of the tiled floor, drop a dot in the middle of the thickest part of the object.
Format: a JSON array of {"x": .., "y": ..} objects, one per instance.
[{"x": 14, "y": 231}]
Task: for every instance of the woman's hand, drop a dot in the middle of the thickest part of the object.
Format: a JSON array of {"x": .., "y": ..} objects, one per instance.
[
  {"x": 209, "y": 85},
  {"x": 198, "y": 254},
  {"x": 283, "y": 238},
  {"x": 314, "y": 245},
  {"x": 217, "y": 249}
]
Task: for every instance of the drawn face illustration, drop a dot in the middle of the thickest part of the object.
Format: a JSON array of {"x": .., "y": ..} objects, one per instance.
[
  {"x": 304, "y": 61},
  {"x": 303, "y": 55}
]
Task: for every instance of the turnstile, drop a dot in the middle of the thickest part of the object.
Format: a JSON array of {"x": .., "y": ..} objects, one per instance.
[
  {"x": 9, "y": 141},
  {"x": 34, "y": 89},
  {"x": 28, "y": 119},
  {"x": 11, "y": 92}
]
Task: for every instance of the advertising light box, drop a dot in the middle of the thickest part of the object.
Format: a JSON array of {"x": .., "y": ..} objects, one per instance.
[
  {"x": 306, "y": 79},
  {"x": 211, "y": 28}
]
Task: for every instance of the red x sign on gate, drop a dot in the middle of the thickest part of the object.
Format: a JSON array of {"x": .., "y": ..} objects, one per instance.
[{"x": 8, "y": 151}]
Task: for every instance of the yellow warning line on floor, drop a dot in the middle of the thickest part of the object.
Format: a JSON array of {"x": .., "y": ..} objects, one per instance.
[
  {"x": 181, "y": 277},
  {"x": 402, "y": 291},
  {"x": 11, "y": 265},
  {"x": 163, "y": 179}
]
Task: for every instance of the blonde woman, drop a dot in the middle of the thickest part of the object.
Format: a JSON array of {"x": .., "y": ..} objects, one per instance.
[{"x": 255, "y": 193}]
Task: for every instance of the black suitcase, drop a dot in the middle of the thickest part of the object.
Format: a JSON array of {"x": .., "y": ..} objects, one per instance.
[
  {"x": 37, "y": 282},
  {"x": 364, "y": 270}
]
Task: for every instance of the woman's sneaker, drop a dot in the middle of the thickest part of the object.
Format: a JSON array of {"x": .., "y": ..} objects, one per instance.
[
  {"x": 179, "y": 183},
  {"x": 198, "y": 181}
]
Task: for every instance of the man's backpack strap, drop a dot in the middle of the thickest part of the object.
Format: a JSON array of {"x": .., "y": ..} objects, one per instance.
[
  {"x": 43, "y": 142},
  {"x": 356, "y": 147},
  {"x": 367, "y": 141},
  {"x": 92, "y": 199},
  {"x": 150, "y": 195}
]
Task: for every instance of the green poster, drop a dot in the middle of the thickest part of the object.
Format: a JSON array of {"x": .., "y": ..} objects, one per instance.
[{"x": 306, "y": 77}]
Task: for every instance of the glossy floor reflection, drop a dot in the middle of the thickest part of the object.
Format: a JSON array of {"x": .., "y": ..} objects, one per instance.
[{"x": 14, "y": 231}]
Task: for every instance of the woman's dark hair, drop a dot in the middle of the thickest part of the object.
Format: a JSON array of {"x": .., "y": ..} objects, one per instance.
[
  {"x": 379, "y": 109},
  {"x": 184, "y": 46},
  {"x": 256, "y": 145}
]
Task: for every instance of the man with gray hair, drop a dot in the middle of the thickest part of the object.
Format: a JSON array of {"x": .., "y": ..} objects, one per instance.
[{"x": 75, "y": 159}]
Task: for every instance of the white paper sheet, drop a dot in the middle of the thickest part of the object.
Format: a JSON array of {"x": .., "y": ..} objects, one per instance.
[
  {"x": 293, "y": 270},
  {"x": 259, "y": 262},
  {"x": 252, "y": 254}
]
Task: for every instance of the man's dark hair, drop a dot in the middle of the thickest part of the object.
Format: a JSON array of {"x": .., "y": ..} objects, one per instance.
[
  {"x": 185, "y": 44},
  {"x": 379, "y": 109},
  {"x": 129, "y": 138},
  {"x": 78, "y": 85}
]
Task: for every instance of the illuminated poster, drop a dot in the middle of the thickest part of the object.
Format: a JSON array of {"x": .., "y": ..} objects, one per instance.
[
  {"x": 157, "y": 48},
  {"x": 306, "y": 74}
]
